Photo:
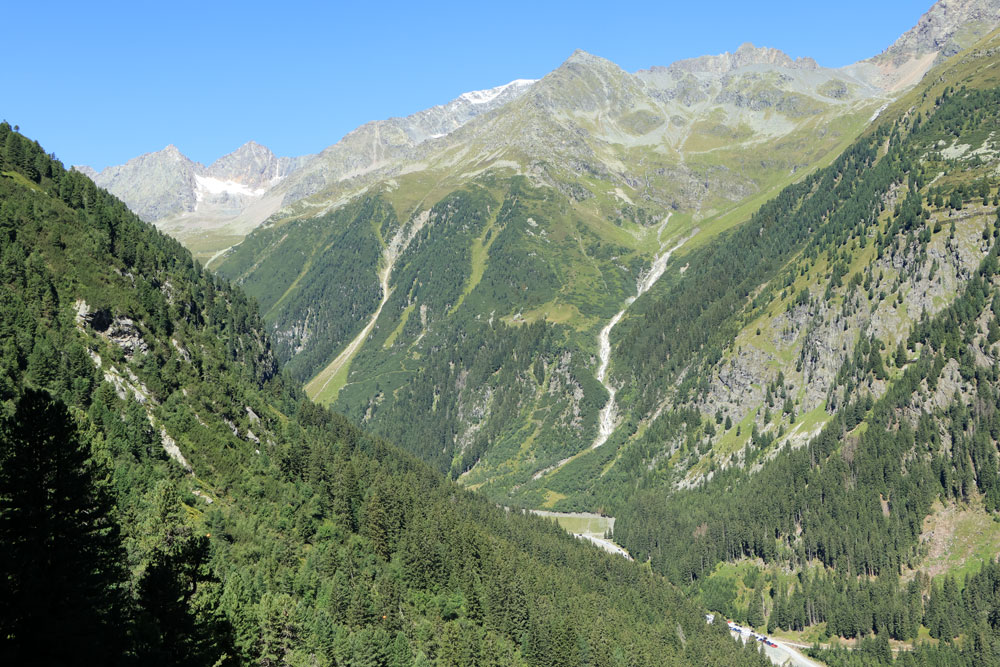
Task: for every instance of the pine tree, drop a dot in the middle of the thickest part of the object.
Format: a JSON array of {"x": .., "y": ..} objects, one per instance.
[
  {"x": 61, "y": 559},
  {"x": 173, "y": 580},
  {"x": 755, "y": 610}
]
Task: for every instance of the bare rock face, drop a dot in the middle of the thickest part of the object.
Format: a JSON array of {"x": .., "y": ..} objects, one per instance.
[
  {"x": 747, "y": 54},
  {"x": 153, "y": 185},
  {"x": 125, "y": 334},
  {"x": 946, "y": 28},
  {"x": 89, "y": 172},
  {"x": 121, "y": 331},
  {"x": 98, "y": 320},
  {"x": 252, "y": 165},
  {"x": 166, "y": 183}
]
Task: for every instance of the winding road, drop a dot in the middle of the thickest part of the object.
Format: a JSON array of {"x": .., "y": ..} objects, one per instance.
[{"x": 782, "y": 653}]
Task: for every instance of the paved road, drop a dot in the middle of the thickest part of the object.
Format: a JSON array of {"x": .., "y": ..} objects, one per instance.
[{"x": 782, "y": 654}]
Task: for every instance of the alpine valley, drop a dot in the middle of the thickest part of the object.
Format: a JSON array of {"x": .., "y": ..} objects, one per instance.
[{"x": 746, "y": 305}]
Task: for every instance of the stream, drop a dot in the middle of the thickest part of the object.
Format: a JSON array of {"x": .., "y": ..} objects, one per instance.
[{"x": 607, "y": 419}]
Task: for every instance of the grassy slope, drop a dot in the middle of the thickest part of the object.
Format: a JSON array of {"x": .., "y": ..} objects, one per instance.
[{"x": 957, "y": 538}]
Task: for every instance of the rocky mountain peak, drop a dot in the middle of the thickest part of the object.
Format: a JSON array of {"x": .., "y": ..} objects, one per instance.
[
  {"x": 146, "y": 183},
  {"x": 251, "y": 164},
  {"x": 166, "y": 183},
  {"x": 170, "y": 151},
  {"x": 581, "y": 58},
  {"x": 746, "y": 55},
  {"x": 89, "y": 172},
  {"x": 585, "y": 82},
  {"x": 946, "y": 28},
  {"x": 251, "y": 150}
]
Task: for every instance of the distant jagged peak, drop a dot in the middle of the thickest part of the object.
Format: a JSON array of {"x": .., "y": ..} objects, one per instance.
[
  {"x": 747, "y": 54},
  {"x": 585, "y": 82},
  {"x": 251, "y": 149},
  {"x": 168, "y": 157},
  {"x": 169, "y": 154},
  {"x": 250, "y": 152},
  {"x": 582, "y": 59},
  {"x": 581, "y": 64},
  {"x": 251, "y": 162}
]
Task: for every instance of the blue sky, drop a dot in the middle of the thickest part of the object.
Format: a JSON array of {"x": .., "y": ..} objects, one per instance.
[{"x": 99, "y": 83}]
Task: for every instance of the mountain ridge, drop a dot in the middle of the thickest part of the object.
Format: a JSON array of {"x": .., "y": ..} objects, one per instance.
[
  {"x": 382, "y": 146},
  {"x": 164, "y": 183},
  {"x": 558, "y": 165},
  {"x": 163, "y": 485},
  {"x": 388, "y": 145}
]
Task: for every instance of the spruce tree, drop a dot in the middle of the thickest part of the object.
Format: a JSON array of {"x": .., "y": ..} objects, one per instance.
[{"x": 61, "y": 576}]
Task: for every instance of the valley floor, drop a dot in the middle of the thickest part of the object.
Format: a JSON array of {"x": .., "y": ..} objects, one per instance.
[{"x": 588, "y": 526}]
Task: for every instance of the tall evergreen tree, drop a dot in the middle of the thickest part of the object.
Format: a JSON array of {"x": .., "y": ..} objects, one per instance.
[{"x": 61, "y": 577}]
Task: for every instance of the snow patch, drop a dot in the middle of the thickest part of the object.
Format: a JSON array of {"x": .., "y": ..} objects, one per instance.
[
  {"x": 484, "y": 96},
  {"x": 214, "y": 186}
]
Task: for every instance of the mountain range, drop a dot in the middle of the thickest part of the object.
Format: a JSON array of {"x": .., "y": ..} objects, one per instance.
[
  {"x": 944, "y": 30},
  {"x": 635, "y": 163},
  {"x": 748, "y": 305},
  {"x": 169, "y": 498},
  {"x": 219, "y": 204}
]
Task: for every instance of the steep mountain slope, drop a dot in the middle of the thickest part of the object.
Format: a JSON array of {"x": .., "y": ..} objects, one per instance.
[
  {"x": 947, "y": 28},
  {"x": 212, "y": 208},
  {"x": 787, "y": 309},
  {"x": 832, "y": 394},
  {"x": 551, "y": 210},
  {"x": 131, "y": 375},
  {"x": 379, "y": 144}
]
